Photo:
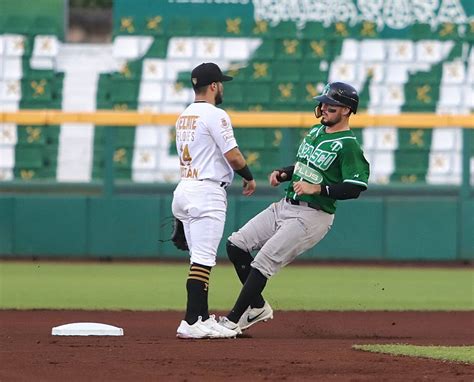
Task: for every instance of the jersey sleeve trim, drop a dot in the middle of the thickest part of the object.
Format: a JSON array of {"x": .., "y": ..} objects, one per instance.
[
  {"x": 233, "y": 147},
  {"x": 355, "y": 182}
]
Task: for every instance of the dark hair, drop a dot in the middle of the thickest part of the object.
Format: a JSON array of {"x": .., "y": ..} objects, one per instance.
[{"x": 201, "y": 89}]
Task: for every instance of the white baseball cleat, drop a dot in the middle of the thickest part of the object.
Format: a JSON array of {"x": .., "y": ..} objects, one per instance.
[
  {"x": 219, "y": 331},
  {"x": 228, "y": 324},
  {"x": 196, "y": 330},
  {"x": 253, "y": 315}
]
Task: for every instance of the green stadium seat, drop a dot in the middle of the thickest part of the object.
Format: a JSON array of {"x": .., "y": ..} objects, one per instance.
[
  {"x": 287, "y": 71},
  {"x": 314, "y": 71},
  {"x": 308, "y": 90},
  {"x": 258, "y": 93},
  {"x": 408, "y": 177},
  {"x": 254, "y": 138},
  {"x": 366, "y": 30},
  {"x": 289, "y": 49},
  {"x": 411, "y": 162},
  {"x": 263, "y": 161},
  {"x": 123, "y": 157},
  {"x": 314, "y": 30},
  {"x": 31, "y": 135},
  {"x": 103, "y": 88},
  {"x": 45, "y": 26},
  {"x": 158, "y": 48},
  {"x": 31, "y": 157},
  {"x": 178, "y": 26},
  {"x": 285, "y": 30},
  {"x": 317, "y": 49},
  {"x": 237, "y": 27},
  {"x": 47, "y": 172},
  {"x": 233, "y": 94},
  {"x": 2, "y": 24},
  {"x": 37, "y": 89},
  {"x": 285, "y": 93},
  {"x": 340, "y": 31},
  {"x": 266, "y": 51},
  {"x": 298, "y": 136},
  {"x": 127, "y": 25},
  {"x": 258, "y": 71},
  {"x": 124, "y": 137},
  {"x": 17, "y": 25},
  {"x": 469, "y": 35},
  {"x": 53, "y": 103},
  {"x": 26, "y": 173},
  {"x": 128, "y": 70},
  {"x": 448, "y": 31},
  {"x": 52, "y": 134},
  {"x": 151, "y": 25},
  {"x": 421, "y": 32},
  {"x": 457, "y": 51},
  {"x": 261, "y": 28},
  {"x": 425, "y": 97},
  {"x": 51, "y": 156},
  {"x": 209, "y": 26},
  {"x": 124, "y": 90},
  {"x": 414, "y": 139}
]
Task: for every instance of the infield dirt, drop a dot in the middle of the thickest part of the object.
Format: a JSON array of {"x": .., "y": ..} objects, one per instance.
[{"x": 295, "y": 346}]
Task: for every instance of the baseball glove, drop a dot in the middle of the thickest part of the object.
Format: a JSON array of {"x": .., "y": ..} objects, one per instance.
[{"x": 177, "y": 237}]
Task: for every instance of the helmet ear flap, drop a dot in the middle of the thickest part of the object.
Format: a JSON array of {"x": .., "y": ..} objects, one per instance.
[{"x": 317, "y": 111}]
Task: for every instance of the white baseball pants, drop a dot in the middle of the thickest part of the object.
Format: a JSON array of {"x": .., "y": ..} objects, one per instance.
[{"x": 201, "y": 206}]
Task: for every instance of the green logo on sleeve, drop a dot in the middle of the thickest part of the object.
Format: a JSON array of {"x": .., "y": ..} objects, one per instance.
[{"x": 307, "y": 173}]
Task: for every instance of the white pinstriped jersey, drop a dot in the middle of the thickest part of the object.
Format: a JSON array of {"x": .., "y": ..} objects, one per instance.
[{"x": 203, "y": 135}]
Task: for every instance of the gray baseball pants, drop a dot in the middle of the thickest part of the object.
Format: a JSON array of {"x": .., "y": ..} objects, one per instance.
[{"x": 280, "y": 233}]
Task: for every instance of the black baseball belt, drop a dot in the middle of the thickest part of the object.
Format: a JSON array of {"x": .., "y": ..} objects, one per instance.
[
  {"x": 305, "y": 204},
  {"x": 224, "y": 185}
]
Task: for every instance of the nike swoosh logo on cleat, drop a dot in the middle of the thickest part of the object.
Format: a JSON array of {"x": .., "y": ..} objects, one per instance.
[{"x": 249, "y": 320}]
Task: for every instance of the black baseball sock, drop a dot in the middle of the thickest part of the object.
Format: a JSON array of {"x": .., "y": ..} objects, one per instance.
[
  {"x": 252, "y": 288},
  {"x": 197, "y": 287},
  {"x": 241, "y": 260}
]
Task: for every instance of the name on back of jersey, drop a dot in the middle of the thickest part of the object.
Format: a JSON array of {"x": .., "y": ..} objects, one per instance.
[{"x": 185, "y": 128}]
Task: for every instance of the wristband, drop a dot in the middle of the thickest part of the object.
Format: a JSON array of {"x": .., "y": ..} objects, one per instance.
[
  {"x": 288, "y": 171},
  {"x": 245, "y": 173},
  {"x": 324, "y": 191}
]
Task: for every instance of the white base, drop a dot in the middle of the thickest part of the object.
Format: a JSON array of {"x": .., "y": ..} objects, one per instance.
[{"x": 87, "y": 329}]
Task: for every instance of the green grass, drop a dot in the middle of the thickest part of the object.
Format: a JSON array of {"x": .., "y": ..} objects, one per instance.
[
  {"x": 156, "y": 286},
  {"x": 446, "y": 353}
]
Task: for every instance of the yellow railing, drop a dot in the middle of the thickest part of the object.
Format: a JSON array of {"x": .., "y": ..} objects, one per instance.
[{"x": 239, "y": 119}]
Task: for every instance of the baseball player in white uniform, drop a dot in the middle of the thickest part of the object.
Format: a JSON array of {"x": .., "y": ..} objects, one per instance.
[{"x": 208, "y": 155}]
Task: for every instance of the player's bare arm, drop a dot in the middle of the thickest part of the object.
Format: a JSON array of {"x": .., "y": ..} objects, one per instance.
[
  {"x": 238, "y": 163},
  {"x": 305, "y": 188}
]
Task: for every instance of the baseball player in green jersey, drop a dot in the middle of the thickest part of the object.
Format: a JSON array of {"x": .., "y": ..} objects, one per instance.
[{"x": 330, "y": 166}]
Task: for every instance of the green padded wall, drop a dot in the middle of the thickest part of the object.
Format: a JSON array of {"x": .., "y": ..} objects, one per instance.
[
  {"x": 6, "y": 225},
  {"x": 46, "y": 226},
  {"x": 420, "y": 229},
  {"x": 372, "y": 228},
  {"x": 124, "y": 227}
]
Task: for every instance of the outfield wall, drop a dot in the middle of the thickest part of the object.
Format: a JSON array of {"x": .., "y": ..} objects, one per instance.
[{"x": 130, "y": 226}]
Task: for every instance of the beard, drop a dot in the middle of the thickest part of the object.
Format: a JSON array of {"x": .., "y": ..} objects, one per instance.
[
  {"x": 218, "y": 98},
  {"x": 325, "y": 122}
]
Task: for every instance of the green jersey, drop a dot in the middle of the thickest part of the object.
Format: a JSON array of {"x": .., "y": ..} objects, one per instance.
[{"x": 327, "y": 159}]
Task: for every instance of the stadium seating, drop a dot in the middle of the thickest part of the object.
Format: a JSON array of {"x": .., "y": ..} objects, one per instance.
[{"x": 277, "y": 66}]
